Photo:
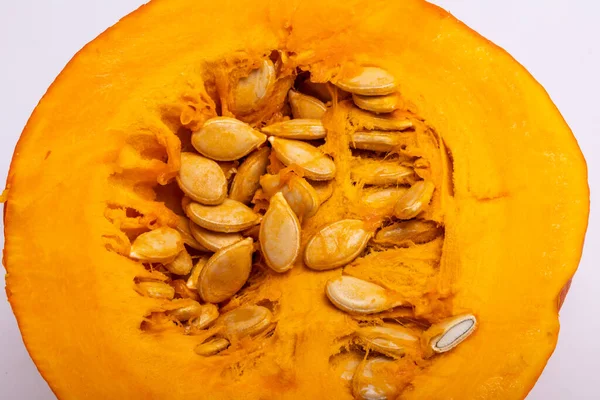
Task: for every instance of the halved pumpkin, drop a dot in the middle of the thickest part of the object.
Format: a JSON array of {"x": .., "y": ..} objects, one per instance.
[{"x": 96, "y": 165}]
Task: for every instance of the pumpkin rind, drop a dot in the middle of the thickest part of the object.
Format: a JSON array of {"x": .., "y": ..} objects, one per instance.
[{"x": 73, "y": 299}]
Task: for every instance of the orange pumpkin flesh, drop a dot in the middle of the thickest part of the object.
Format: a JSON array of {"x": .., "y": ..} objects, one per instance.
[{"x": 512, "y": 194}]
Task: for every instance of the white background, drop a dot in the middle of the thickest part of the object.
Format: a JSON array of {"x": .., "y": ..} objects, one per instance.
[{"x": 557, "y": 40}]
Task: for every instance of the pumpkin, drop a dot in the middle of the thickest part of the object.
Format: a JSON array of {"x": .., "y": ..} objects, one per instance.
[{"x": 458, "y": 191}]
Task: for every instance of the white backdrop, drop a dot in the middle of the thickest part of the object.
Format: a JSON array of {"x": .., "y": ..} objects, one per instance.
[{"x": 557, "y": 40}]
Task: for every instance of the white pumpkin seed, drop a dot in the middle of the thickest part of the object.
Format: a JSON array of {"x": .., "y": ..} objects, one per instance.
[
  {"x": 313, "y": 162},
  {"x": 368, "y": 81},
  {"x": 214, "y": 241},
  {"x": 202, "y": 179},
  {"x": 211, "y": 347},
  {"x": 415, "y": 231},
  {"x": 251, "y": 90},
  {"x": 184, "y": 309},
  {"x": 415, "y": 200},
  {"x": 376, "y": 379},
  {"x": 383, "y": 142},
  {"x": 303, "y": 129},
  {"x": 183, "y": 227},
  {"x": 299, "y": 194},
  {"x": 386, "y": 122},
  {"x": 247, "y": 180},
  {"x": 226, "y": 272},
  {"x": 280, "y": 235},
  {"x": 181, "y": 265},
  {"x": 160, "y": 245},
  {"x": 377, "y": 104},
  {"x": 248, "y": 320},
  {"x": 192, "y": 281},
  {"x": 383, "y": 198},
  {"x": 226, "y": 139},
  {"x": 449, "y": 333},
  {"x": 382, "y": 173},
  {"x": 155, "y": 290},
  {"x": 304, "y": 106},
  {"x": 358, "y": 296},
  {"x": 229, "y": 216},
  {"x": 391, "y": 339},
  {"x": 336, "y": 244}
]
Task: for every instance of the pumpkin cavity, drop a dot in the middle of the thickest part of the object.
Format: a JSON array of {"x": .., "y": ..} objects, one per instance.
[{"x": 263, "y": 179}]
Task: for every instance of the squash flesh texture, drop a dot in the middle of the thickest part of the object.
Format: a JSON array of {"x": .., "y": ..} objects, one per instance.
[{"x": 508, "y": 250}]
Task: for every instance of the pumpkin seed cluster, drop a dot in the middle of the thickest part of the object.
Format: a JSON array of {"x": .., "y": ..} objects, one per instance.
[{"x": 248, "y": 191}]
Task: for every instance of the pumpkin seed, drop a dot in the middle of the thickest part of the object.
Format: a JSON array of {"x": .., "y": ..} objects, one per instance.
[
  {"x": 229, "y": 216},
  {"x": 375, "y": 380},
  {"x": 377, "y": 104},
  {"x": 299, "y": 194},
  {"x": 336, "y": 244},
  {"x": 391, "y": 339},
  {"x": 214, "y": 241},
  {"x": 415, "y": 200},
  {"x": 247, "y": 180},
  {"x": 181, "y": 265},
  {"x": 386, "y": 122},
  {"x": 226, "y": 272},
  {"x": 192, "y": 281},
  {"x": 226, "y": 139},
  {"x": 202, "y": 179},
  {"x": 449, "y": 333},
  {"x": 160, "y": 245},
  {"x": 183, "y": 227},
  {"x": 184, "y": 309},
  {"x": 324, "y": 190},
  {"x": 252, "y": 89},
  {"x": 303, "y": 129},
  {"x": 280, "y": 235},
  {"x": 304, "y": 106},
  {"x": 375, "y": 141},
  {"x": 357, "y": 296},
  {"x": 155, "y": 290},
  {"x": 312, "y": 161},
  {"x": 382, "y": 173},
  {"x": 415, "y": 231},
  {"x": 383, "y": 198},
  {"x": 368, "y": 81},
  {"x": 208, "y": 315},
  {"x": 211, "y": 347},
  {"x": 248, "y": 320}
]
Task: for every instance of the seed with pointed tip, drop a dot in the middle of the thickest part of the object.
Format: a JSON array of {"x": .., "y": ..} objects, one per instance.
[
  {"x": 312, "y": 161},
  {"x": 226, "y": 139},
  {"x": 280, "y": 235}
]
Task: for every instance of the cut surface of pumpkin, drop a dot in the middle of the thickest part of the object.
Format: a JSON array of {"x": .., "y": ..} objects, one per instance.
[{"x": 294, "y": 201}]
